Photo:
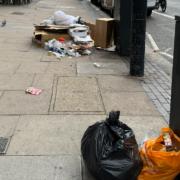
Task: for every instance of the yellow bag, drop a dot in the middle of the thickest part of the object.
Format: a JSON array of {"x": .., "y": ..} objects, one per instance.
[{"x": 159, "y": 164}]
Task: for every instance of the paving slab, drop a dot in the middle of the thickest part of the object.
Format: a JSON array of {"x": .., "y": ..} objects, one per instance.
[
  {"x": 106, "y": 68},
  {"x": 76, "y": 94},
  {"x": 62, "y": 68},
  {"x": 33, "y": 67},
  {"x": 40, "y": 168},
  {"x": 119, "y": 84},
  {"x": 18, "y": 102},
  {"x": 103, "y": 56},
  {"x": 129, "y": 103},
  {"x": 43, "y": 81},
  {"x": 15, "y": 81},
  {"x": 7, "y": 67},
  {"x": 50, "y": 134},
  {"x": 7, "y": 125},
  {"x": 77, "y": 84}
]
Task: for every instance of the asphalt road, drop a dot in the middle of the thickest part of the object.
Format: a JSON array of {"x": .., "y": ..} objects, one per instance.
[{"x": 162, "y": 27}]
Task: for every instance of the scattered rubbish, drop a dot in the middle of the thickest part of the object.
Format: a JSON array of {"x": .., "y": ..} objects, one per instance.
[
  {"x": 110, "y": 150},
  {"x": 97, "y": 65},
  {"x": 33, "y": 91},
  {"x": 110, "y": 49},
  {"x": 61, "y": 49},
  {"x": 67, "y": 35},
  {"x": 79, "y": 31},
  {"x": 61, "y": 18},
  {"x": 43, "y": 34},
  {"x": 61, "y": 39},
  {"x": 161, "y": 157},
  {"x": 3, "y": 23}
]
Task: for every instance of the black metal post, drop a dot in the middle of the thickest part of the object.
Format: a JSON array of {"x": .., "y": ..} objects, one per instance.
[
  {"x": 138, "y": 37},
  {"x": 123, "y": 26},
  {"x": 175, "y": 94}
]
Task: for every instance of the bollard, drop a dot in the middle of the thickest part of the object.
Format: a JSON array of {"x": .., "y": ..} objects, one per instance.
[
  {"x": 175, "y": 94},
  {"x": 138, "y": 37},
  {"x": 123, "y": 26}
]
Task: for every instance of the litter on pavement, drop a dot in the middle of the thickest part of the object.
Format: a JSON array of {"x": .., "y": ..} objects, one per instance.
[
  {"x": 161, "y": 157},
  {"x": 64, "y": 35},
  {"x": 3, "y": 23},
  {"x": 110, "y": 150},
  {"x": 33, "y": 91}
]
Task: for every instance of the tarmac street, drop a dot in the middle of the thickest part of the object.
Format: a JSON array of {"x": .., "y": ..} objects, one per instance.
[{"x": 45, "y": 131}]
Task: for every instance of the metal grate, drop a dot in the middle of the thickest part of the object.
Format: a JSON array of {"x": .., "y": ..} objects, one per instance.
[{"x": 3, "y": 144}]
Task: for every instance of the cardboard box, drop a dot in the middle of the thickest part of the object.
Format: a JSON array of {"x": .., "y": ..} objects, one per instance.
[
  {"x": 41, "y": 36},
  {"x": 104, "y": 32}
]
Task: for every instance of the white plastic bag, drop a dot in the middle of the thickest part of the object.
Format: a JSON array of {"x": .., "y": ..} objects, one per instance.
[{"x": 60, "y": 18}]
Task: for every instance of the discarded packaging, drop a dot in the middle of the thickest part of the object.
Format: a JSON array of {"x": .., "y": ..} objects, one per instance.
[
  {"x": 3, "y": 23},
  {"x": 110, "y": 150},
  {"x": 33, "y": 91},
  {"x": 61, "y": 18},
  {"x": 161, "y": 157},
  {"x": 79, "y": 31},
  {"x": 61, "y": 49},
  {"x": 97, "y": 65}
]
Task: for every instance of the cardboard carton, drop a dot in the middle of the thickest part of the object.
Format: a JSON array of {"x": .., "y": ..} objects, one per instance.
[{"x": 104, "y": 32}]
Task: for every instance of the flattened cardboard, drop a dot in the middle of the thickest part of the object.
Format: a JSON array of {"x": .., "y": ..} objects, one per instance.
[{"x": 42, "y": 36}]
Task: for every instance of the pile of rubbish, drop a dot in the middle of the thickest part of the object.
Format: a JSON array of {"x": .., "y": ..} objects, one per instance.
[
  {"x": 110, "y": 152},
  {"x": 64, "y": 35}
]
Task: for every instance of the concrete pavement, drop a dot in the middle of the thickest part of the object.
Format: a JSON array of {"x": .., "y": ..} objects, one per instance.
[{"x": 45, "y": 130}]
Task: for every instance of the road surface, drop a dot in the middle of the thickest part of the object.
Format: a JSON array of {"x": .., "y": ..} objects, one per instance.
[{"x": 162, "y": 27}]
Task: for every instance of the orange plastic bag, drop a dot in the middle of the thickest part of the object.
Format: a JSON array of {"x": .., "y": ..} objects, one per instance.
[{"x": 160, "y": 164}]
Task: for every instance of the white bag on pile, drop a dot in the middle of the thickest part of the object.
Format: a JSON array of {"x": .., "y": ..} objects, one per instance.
[{"x": 60, "y": 18}]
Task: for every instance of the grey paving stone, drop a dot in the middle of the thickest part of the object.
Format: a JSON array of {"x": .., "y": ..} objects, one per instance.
[
  {"x": 161, "y": 99},
  {"x": 15, "y": 81},
  {"x": 78, "y": 102},
  {"x": 110, "y": 68},
  {"x": 43, "y": 81},
  {"x": 7, "y": 125},
  {"x": 151, "y": 95},
  {"x": 7, "y": 67},
  {"x": 49, "y": 58},
  {"x": 77, "y": 84},
  {"x": 129, "y": 103},
  {"x": 146, "y": 87},
  {"x": 167, "y": 107},
  {"x": 17, "y": 102},
  {"x": 50, "y": 134},
  {"x": 116, "y": 84},
  {"x": 32, "y": 67},
  {"x": 40, "y": 168},
  {"x": 78, "y": 94},
  {"x": 62, "y": 68}
]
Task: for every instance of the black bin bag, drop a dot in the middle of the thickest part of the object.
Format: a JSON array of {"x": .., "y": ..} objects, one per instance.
[{"x": 110, "y": 150}]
